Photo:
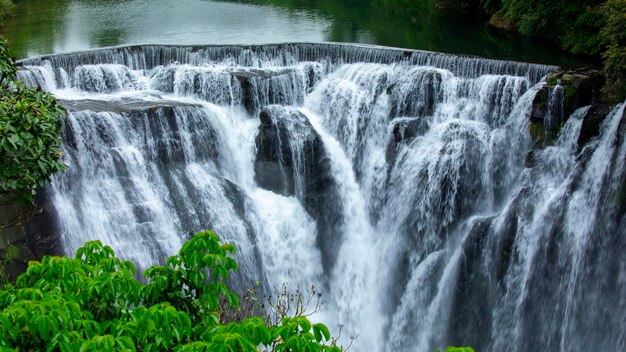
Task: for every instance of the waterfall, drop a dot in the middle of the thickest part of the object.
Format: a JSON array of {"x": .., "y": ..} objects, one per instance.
[{"x": 405, "y": 184}]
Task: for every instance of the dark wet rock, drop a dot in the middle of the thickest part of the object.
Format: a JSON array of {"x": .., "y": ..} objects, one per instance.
[
  {"x": 564, "y": 92},
  {"x": 249, "y": 99},
  {"x": 592, "y": 121},
  {"x": 580, "y": 87},
  {"x": 486, "y": 260},
  {"x": 126, "y": 104},
  {"x": 499, "y": 21},
  {"x": 44, "y": 237},
  {"x": 547, "y": 115},
  {"x": 473, "y": 294},
  {"x": 540, "y": 105},
  {"x": 257, "y": 72},
  {"x": 273, "y": 166},
  {"x": 405, "y": 129},
  {"x": 32, "y": 229},
  {"x": 455, "y": 6},
  {"x": 291, "y": 160},
  {"x": 531, "y": 159},
  {"x": 249, "y": 79}
]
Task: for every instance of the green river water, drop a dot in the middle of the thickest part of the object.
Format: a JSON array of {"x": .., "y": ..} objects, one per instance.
[{"x": 53, "y": 26}]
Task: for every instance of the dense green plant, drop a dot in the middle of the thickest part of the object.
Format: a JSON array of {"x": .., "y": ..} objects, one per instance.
[
  {"x": 575, "y": 23},
  {"x": 458, "y": 349},
  {"x": 6, "y": 9},
  {"x": 614, "y": 34},
  {"x": 6, "y": 257},
  {"x": 94, "y": 302},
  {"x": 29, "y": 134},
  {"x": 588, "y": 27}
]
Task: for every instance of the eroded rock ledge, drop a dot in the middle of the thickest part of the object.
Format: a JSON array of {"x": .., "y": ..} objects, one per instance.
[{"x": 562, "y": 94}]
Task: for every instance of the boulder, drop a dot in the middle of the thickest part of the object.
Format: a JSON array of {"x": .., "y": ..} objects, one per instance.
[
  {"x": 123, "y": 104},
  {"x": 31, "y": 230},
  {"x": 248, "y": 95},
  {"x": 538, "y": 116},
  {"x": 592, "y": 121},
  {"x": 563, "y": 93},
  {"x": 274, "y": 163},
  {"x": 455, "y": 6},
  {"x": 292, "y": 160},
  {"x": 580, "y": 87},
  {"x": 404, "y": 130},
  {"x": 499, "y": 21}
]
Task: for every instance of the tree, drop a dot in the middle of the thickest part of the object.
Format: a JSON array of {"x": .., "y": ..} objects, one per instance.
[
  {"x": 589, "y": 27},
  {"x": 94, "y": 302},
  {"x": 7, "y": 7},
  {"x": 30, "y": 128},
  {"x": 614, "y": 34}
]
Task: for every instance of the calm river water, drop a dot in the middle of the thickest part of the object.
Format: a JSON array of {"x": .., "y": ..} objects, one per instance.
[{"x": 53, "y": 26}]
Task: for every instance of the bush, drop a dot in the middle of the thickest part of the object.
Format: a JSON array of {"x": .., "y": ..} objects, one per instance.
[
  {"x": 458, "y": 349},
  {"x": 589, "y": 27},
  {"x": 94, "y": 302},
  {"x": 614, "y": 34},
  {"x": 7, "y": 255},
  {"x": 7, "y": 7},
  {"x": 29, "y": 135}
]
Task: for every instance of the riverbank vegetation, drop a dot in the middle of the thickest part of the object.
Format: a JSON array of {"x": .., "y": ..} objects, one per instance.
[
  {"x": 6, "y": 9},
  {"x": 30, "y": 134},
  {"x": 94, "y": 302},
  {"x": 587, "y": 27}
]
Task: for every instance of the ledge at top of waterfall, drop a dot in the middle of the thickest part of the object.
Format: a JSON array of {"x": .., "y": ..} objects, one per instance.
[{"x": 141, "y": 57}]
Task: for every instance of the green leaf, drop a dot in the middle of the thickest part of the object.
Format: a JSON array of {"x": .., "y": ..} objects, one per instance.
[
  {"x": 323, "y": 329},
  {"x": 43, "y": 326},
  {"x": 305, "y": 324},
  {"x": 14, "y": 139}
]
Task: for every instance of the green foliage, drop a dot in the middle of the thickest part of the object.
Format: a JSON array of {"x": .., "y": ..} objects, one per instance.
[
  {"x": 94, "y": 302},
  {"x": 589, "y": 27},
  {"x": 7, "y": 7},
  {"x": 29, "y": 134},
  {"x": 575, "y": 23},
  {"x": 10, "y": 253},
  {"x": 458, "y": 349},
  {"x": 582, "y": 34},
  {"x": 614, "y": 33}
]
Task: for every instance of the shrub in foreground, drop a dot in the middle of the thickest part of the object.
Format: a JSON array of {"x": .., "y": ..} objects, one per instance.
[{"x": 94, "y": 302}]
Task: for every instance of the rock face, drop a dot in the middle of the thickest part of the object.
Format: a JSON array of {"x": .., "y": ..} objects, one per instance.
[
  {"x": 33, "y": 231},
  {"x": 291, "y": 160},
  {"x": 274, "y": 166},
  {"x": 499, "y": 21},
  {"x": 581, "y": 87},
  {"x": 564, "y": 92},
  {"x": 123, "y": 105},
  {"x": 404, "y": 130},
  {"x": 591, "y": 122},
  {"x": 455, "y": 7}
]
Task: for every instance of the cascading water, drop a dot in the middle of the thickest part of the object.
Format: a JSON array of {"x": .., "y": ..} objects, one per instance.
[{"x": 399, "y": 181}]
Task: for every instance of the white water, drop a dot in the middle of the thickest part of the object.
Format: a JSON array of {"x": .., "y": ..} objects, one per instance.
[{"x": 436, "y": 232}]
